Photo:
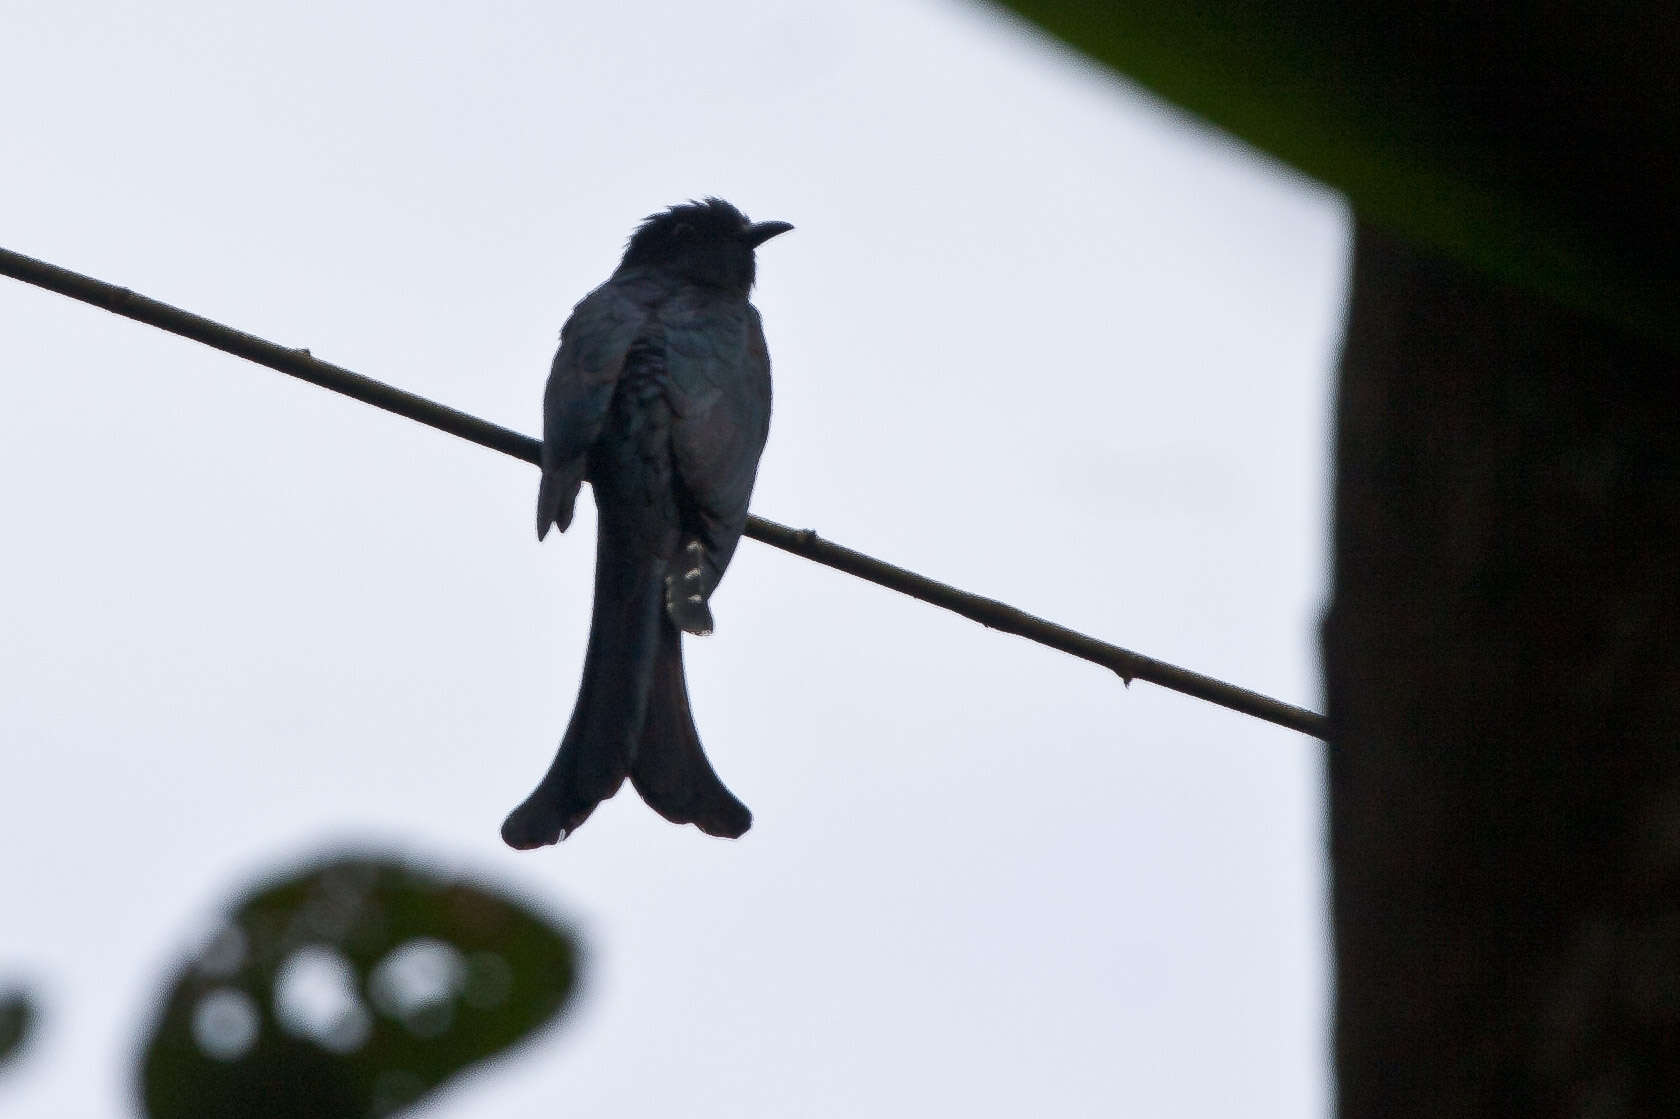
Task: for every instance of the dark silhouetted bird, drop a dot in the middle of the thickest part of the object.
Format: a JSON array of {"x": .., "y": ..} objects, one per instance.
[{"x": 660, "y": 399}]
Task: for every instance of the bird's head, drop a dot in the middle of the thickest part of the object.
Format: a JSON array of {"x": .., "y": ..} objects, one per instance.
[{"x": 709, "y": 242}]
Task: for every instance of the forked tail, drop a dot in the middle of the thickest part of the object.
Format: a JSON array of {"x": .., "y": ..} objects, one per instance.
[
  {"x": 669, "y": 767},
  {"x": 595, "y": 753}
]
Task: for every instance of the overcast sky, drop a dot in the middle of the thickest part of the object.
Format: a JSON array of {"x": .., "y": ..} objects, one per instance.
[{"x": 1034, "y": 334}]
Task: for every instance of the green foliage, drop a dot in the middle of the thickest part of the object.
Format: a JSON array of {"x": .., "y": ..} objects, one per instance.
[
  {"x": 17, "y": 1016},
  {"x": 353, "y": 987},
  {"x": 1537, "y": 142}
]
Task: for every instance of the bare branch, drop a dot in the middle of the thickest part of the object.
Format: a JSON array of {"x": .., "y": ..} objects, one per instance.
[{"x": 801, "y": 542}]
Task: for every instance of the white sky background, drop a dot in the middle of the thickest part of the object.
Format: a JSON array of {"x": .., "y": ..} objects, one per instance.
[{"x": 1034, "y": 334}]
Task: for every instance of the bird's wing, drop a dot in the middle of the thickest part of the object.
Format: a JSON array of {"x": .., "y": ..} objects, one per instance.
[
  {"x": 593, "y": 345},
  {"x": 719, "y": 373}
]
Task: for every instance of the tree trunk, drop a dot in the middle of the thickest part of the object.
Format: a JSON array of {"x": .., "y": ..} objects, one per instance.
[{"x": 1502, "y": 657}]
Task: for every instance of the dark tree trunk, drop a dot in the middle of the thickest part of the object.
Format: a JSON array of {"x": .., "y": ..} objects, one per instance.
[{"x": 1502, "y": 656}]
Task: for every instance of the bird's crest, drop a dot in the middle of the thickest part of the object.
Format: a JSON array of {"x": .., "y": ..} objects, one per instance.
[
  {"x": 708, "y": 242},
  {"x": 707, "y": 220}
]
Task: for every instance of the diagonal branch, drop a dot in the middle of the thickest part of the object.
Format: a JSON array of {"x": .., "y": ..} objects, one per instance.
[{"x": 801, "y": 542}]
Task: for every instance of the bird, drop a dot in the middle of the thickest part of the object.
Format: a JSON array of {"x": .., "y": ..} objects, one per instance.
[{"x": 659, "y": 398}]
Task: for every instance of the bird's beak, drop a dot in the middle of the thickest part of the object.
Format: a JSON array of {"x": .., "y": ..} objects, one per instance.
[{"x": 759, "y": 232}]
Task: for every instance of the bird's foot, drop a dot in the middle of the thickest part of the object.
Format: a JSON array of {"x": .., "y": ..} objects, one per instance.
[{"x": 686, "y": 593}]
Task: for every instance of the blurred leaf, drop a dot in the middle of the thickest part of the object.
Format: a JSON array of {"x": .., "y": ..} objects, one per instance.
[
  {"x": 1536, "y": 141},
  {"x": 351, "y": 988},
  {"x": 17, "y": 1017}
]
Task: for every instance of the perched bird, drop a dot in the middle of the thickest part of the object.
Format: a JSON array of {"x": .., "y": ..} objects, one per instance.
[{"x": 660, "y": 399}]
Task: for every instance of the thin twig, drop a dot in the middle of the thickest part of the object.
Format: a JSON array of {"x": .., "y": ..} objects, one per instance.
[{"x": 801, "y": 542}]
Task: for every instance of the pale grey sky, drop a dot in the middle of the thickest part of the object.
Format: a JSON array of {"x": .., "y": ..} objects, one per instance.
[{"x": 1035, "y": 334}]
